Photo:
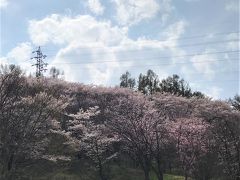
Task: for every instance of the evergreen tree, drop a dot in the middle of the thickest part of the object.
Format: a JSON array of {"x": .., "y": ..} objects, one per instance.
[
  {"x": 235, "y": 102},
  {"x": 148, "y": 84},
  {"x": 174, "y": 85},
  {"x": 55, "y": 73},
  {"x": 126, "y": 81}
]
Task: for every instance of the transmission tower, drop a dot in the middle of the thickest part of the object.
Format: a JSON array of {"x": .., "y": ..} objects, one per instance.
[{"x": 40, "y": 64}]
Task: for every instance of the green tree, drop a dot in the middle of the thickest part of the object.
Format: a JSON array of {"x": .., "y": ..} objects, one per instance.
[
  {"x": 175, "y": 85},
  {"x": 54, "y": 72},
  {"x": 126, "y": 81},
  {"x": 148, "y": 84},
  {"x": 235, "y": 102}
]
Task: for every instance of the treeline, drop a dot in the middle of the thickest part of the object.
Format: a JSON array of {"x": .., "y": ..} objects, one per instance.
[
  {"x": 149, "y": 84},
  {"x": 159, "y": 132}
]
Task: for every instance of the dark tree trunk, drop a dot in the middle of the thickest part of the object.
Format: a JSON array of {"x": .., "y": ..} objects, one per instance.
[
  {"x": 146, "y": 166},
  {"x": 99, "y": 164},
  {"x": 238, "y": 159},
  {"x": 10, "y": 163},
  {"x": 170, "y": 167},
  {"x": 160, "y": 176},
  {"x": 160, "y": 171},
  {"x": 7, "y": 169},
  {"x": 101, "y": 173},
  {"x": 158, "y": 160},
  {"x": 146, "y": 174},
  {"x": 238, "y": 175}
]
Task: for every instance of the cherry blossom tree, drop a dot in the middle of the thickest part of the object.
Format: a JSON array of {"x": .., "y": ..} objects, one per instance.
[
  {"x": 177, "y": 119},
  {"x": 190, "y": 137},
  {"x": 25, "y": 121},
  {"x": 133, "y": 121},
  {"x": 225, "y": 133},
  {"x": 92, "y": 138},
  {"x": 162, "y": 147}
]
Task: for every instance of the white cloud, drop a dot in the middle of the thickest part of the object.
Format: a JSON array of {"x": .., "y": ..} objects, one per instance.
[
  {"x": 3, "y": 3},
  {"x": 59, "y": 29},
  {"x": 3, "y": 61},
  {"x": 96, "y": 7},
  {"x": 191, "y": 0},
  {"x": 133, "y": 11},
  {"x": 205, "y": 64},
  {"x": 232, "y": 5},
  {"x": 172, "y": 34},
  {"x": 175, "y": 30},
  {"x": 83, "y": 39},
  {"x": 88, "y": 71},
  {"x": 233, "y": 45},
  {"x": 21, "y": 56},
  {"x": 21, "y": 53},
  {"x": 213, "y": 92}
]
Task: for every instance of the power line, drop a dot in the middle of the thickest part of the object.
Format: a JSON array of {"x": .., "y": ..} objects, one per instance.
[
  {"x": 221, "y": 81},
  {"x": 139, "y": 59},
  {"x": 206, "y": 73},
  {"x": 226, "y": 71},
  {"x": 111, "y": 50},
  {"x": 162, "y": 64},
  {"x": 205, "y": 35},
  {"x": 182, "y": 38},
  {"x": 153, "y": 58}
]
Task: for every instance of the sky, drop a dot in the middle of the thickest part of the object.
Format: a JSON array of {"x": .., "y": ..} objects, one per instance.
[{"x": 95, "y": 41}]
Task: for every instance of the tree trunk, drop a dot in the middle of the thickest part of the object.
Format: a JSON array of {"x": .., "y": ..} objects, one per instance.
[
  {"x": 7, "y": 169},
  {"x": 10, "y": 162},
  {"x": 160, "y": 176},
  {"x": 238, "y": 175},
  {"x": 238, "y": 159},
  {"x": 101, "y": 173},
  {"x": 146, "y": 168},
  {"x": 158, "y": 157},
  {"x": 146, "y": 174},
  {"x": 160, "y": 171},
  {"x": 100, "y": 169},
  {"x": 170, "y": 167},
  {"x": 5, "y": 174}
]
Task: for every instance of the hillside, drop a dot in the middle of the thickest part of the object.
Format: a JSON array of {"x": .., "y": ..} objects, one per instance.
[{"x": 53, "y": 129}]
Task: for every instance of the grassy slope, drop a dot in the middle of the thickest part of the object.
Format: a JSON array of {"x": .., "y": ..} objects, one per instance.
[
  {"x": 45, "y": 172},
  {"x": 79, "y": 169}
]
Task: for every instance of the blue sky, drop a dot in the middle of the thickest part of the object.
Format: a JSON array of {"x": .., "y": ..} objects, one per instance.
[{"x": 95, "y": 41}]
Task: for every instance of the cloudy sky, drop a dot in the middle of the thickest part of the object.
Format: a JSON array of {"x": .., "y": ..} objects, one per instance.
[{"x": 95, "y": 41}]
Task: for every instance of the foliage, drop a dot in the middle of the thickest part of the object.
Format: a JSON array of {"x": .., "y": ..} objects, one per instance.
[
  {"x": 235, "y": 102},
  {"x": 25, "y": 120},
  {"x": 127, "y": 81},
  {"x": 150, "y": 84},
  {"x": 55, "y": 73},
  {"x": 110, "y": 133}
]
